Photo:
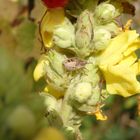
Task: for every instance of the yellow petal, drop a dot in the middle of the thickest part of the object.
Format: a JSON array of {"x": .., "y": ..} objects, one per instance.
[
  {"x": 136, "y": 67},
  {"x": 51, "y": 18},
  {"x": 39, "y": 70},
  {"x": 100, "y": 116},
  {"x": 121, "y": 78},
  {"x": 51, "y": 90},
  {"x": 119, "y": 65},
  {"x": 118, "y": 45},
  {"x": 132, "y": 47},
  {"x": 128, "y": 60}
]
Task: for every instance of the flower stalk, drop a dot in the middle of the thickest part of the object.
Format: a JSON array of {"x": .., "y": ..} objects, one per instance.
[{"x": 83, "y": 54}]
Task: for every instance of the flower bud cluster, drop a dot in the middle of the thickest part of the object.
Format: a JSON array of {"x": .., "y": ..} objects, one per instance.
[{"x": 91, "y": 33}]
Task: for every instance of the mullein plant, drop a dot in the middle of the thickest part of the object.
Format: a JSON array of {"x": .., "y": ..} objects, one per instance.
[{"x": 87, "y": 57}]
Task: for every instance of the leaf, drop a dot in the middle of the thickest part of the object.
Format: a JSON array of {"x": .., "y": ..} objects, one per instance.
[
  {"x": 25, "y": 35},
  {"x": 14, "y": 83}
]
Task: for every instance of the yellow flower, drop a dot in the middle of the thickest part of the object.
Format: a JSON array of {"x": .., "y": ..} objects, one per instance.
[
  {"x": 50, "y": 19},
  {"x": 120, "y": 65}
]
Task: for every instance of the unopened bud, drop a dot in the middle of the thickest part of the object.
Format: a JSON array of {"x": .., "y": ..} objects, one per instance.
[
  {"x": 101, "y": 39},
  {"x": 105, "y": 13},
  {"x": 82, "y": 92},
  {"x": 64, "y": 34},
  {"x": 84, "y": 33}
]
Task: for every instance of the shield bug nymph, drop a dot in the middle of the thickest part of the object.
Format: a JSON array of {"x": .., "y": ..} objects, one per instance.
[{"x": 74, "y": 63}]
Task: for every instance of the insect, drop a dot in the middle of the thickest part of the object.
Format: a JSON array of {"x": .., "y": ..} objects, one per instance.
[{"x": 74, "y": 63}]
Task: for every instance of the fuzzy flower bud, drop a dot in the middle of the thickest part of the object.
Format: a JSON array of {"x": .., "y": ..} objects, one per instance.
[
  {"x": 111, "y": 27},
  {"x": 84, "y": 33},
  {"x": 105, "y": 13},
  {"x": 82, "y": 92},
  {"x": 64, "y": 34},
  {"x": 101, "y": 39},
  {"x": 95, "y": 98},
  {"x": 50, "y": 102}
]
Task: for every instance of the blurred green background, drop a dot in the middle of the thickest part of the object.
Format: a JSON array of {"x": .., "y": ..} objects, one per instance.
[{"x": 22, "y": 110}]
